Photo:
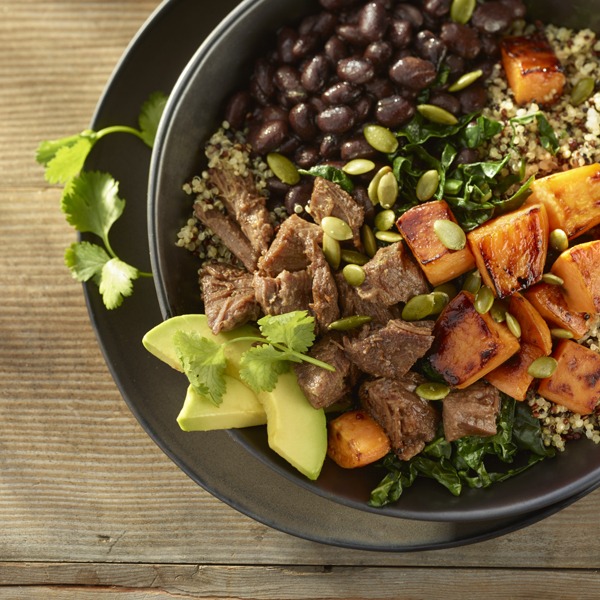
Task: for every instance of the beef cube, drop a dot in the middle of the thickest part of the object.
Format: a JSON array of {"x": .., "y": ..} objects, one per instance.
[
  {"x": 409, "y": 421},
  {"x": 324, "y": 305},
  {"x": 228, "y": 296},
  {"x": 287, "y": 292},
  {"x": 389, "y": 351},
  {"x": 471, "y": 411}
]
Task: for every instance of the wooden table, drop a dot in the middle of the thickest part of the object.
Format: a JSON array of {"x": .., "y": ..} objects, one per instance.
[{"x": 89, "y": 506}]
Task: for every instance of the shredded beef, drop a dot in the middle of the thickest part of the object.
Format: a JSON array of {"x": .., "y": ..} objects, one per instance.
[
  {"x": 324, "y": 304},
  {"x": 287, "y": 292}
]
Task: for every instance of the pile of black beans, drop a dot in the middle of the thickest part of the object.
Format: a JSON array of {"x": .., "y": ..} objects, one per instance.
[{"x": 358, "y": 62}]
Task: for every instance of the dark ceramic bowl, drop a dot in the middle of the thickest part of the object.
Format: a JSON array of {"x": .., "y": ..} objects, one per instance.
[{"x": 194, "y": 111}]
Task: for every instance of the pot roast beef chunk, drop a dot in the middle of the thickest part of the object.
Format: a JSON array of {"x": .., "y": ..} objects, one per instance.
[
  {"x": 389, "y": 351},
  {"x": 287, "y": 292},
  {"x": 230, "y": 233},
  {"x": 471, "y": 411},
  {"x": 392, "y": 276},
  {"x": 409, "y": 421},
  {"x": 329, "y": 199},
  {"x": 322, "y": 387},
  {"x": 228, "y": 296},
  {"x": 245, "y": 204}
]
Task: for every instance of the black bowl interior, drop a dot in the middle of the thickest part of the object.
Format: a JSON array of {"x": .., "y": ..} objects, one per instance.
[{"x": 193, "y": 113}]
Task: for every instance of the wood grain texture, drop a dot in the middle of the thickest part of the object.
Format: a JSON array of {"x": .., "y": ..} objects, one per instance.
[{"x": 89, "y": 506}]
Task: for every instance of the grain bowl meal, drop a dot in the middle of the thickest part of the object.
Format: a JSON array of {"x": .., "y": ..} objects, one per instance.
[{"x": 398, "y": 240}]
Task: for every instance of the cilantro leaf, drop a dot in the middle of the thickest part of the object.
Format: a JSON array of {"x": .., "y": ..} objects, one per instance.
[
  {"x": 116, "y": 282},
  {"x": 296, "y": 330},
  {"x": 261, "y": 366},
  {"x": 68, "y": 160},
  {"x": 150, "y": 115},
  {"x": 86, "y": 260},
  {"x": 203, "y": 361},
  {"x": 47, "y": 150}
]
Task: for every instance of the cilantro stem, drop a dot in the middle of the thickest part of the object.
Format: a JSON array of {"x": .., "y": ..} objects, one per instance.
[{"x": 119, "y": 129}]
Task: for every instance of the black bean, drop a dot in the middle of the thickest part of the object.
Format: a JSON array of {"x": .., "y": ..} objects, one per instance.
[
  {"x": 492, "y": 17},
  {"x": 335, "y": 5},
  {"x": 380, "y": 87},
  {"x": 362, "y": 108},
  {"x": 409, "y": 13},
  {"x": 306, "y": 156},
  {"x": 337, "y": 119},
  {"x": 298, "y": 195},
  {"x": 317, "y": 104},
  {"x": 237, "y": 108},
  {"x": 361, "y": 196},
  {"x": 289, "y": 146},
  {"x": 273, "y": 113},
  {"x": 268, "y": 136},
  {"x": 378, "y": 53},
  {"x": 466, "y": 156},
  {"x": 287, "y": 80},
  {"x": 329, "y": 147},
  {"x": 400, "y": 33},
  {"x": 341, "y": 92},
  {"x": 486, "y": 66},
  {"x": 430, "y": 47},
  {"x": 436, "y": 8},
  {"x": 490, "y": 45},
  {"x": 456, "y": 64},
  {"x": 517, "y": 8},
  {"x": 277, "y": 189},
  {"x": 473, "y": 98},
  {"x": 352, "y": 34},
  {"x": 372, "y": 21},
  {"x": 461, "y": 39},
  {"x": 355, "y": 70},
  {"x": 325, "y": 24},
  {"x": 335, "y": 49},
  {"x": 262, "y": 86},
  {"x": 394, "y": 111},
  {"x": 357, "y": 147},
  {"x": 415, "y": 73},
  {"x": 286, "y": 39},
  {"x": 314, "y": 73},
  {"x": 446, "y": 101},
  {"x": 302, "y": 121},
  {"x": 305, "y": 45}
]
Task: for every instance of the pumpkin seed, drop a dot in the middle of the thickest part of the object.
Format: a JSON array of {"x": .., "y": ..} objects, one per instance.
[
  {"x": 380, "y": 138},
  {"x": 432, "y": 391},
  {"x": 484, "y": 300},
  {"x": 559, "y": 240},
  {"x": 427, "y": 185},
  {"x": 388, "y": 236},
  {"x": 332, "y": 251},
  {"x": 358, "y": 166},
  {"x": 562, "y": 334},
  {"x": 349, "y": 322},
  {"x": 461, "y": 11},
  {"x": 283, "y": 168},
  {"x": 465, "y": 81},
  {"x": 446, "y": 288},
  {"x": 418, "y": 307},
  {"x": 336, "y": 228},
  {"x": 369, "y": 241},
  {"x": 372, "y": 188},
  {"x": 436, "y": 114},
  {"x": 354, "y": 274},
  {"x": 513, "y": 325},
  {"x": 552, "y": 279},
  {"x": 542, "y": 367},
  {"x": 582, "y": 90},
  {"x": 498, "y": 311},
  {"x": 385, "y": 219},
  {"x": 440, "y": 301},
  {"x": 450, "y": 234},
  {"x": 387, "y": 190},
  {"x": 354, "y": 257},
  {"x": 472, "y": 282}
]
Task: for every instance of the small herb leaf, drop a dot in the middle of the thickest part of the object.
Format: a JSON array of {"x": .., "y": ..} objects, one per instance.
[
  {"x": 86, "y": 260},
  {"x": 116, "y": 282},
  {"x": 296, "y": 330},
  {"x": 68, "y": 160},
  {"x": 261, "y": 366},
  {"x": 150, "y": 115}
]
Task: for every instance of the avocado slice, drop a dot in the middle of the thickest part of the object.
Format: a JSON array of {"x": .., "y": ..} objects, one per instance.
[{"x": 240, "y": 408}]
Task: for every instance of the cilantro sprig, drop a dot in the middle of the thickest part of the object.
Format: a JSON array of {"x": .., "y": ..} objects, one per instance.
[
  {"x": 285, "y": 339},
  {"x": 91, "y": 204}
]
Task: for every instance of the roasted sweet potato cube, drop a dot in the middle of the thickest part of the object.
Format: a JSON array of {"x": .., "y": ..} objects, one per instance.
[
  {"x": 512, "y": 377},
  {"x": 571, "y": 198},
  {"x": 576, "y": 382},
  {"x": 468, "y": 345},
  {"x": 355, "y": 439},
  {"x": 533, "y": 71},
  {"x": 534, "y": 330},
  {"x": 579, "y": 267},
  {"x": 510, "y": 250},
  {"x": 438, "y": 262},
  {"x": 549, "y": 300}
]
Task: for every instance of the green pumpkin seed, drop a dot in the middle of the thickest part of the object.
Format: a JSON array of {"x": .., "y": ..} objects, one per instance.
[
  {"x": 450, "y": 234},
  {"x": 472, "y": 282},
  {"x": 440, "y": 301},
  {"x": 349, "y": 323},
  {"x": 432, "y": 391},
  {"x": 583, "y": 89},
  {"x": 354, "y": 274},
  {"x": 380, "y": 138},
  {"x": 369, "y": 241},
  {"x": 332, "y": 251},
  {"x": 461, "y": 11},
  {"x": 513, "y": 325},
  {"x": 385, "y": 219},
  {"x": 542, "y": 367},
  {"x": 561, "y": 334},
  {"x": 436, "y": 114},
  {"x": 559, "y": 240},
  {"x": 498, "y": 311},
  {"x": 388, "y": 236},
  {"x": 354, "y": 257},
  {"x": 358, "y": 166},
  {"x": 446, "y": 288},
  {"x": 387, "y": 190},
  {"x": 283, "y": 168},
  {"x": 374, "y": 185},
  {"x": 465, "y": 81},
  {"x": 336, "y": 228},
  {"x": 552, "y": 279},
  {"x": 418, "y": 307},
  {"x": 452, "y": 186},
  {"x": 427, "y": 185},
  {"x": 484, "y": 300}
]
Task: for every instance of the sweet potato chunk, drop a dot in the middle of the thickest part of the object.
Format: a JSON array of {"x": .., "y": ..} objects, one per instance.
[
  {"x": 571, "y": 198},
  {"x": 438, "y": 262},
  {"x": 550, "y": 302},
  {"x": 468, "y": 345},
  {"x": 534, "y": 330},
  {"x": 355, "y": 439},
  {"x": 579, "y": 267},
  {"x": 510, "y": 250},
  {"x": 576, "y": 381},
  {"x": 533, "y": 71}
]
